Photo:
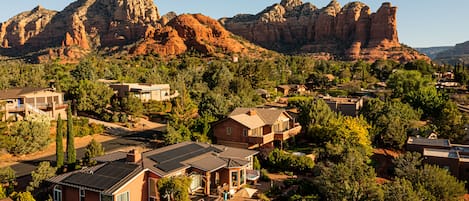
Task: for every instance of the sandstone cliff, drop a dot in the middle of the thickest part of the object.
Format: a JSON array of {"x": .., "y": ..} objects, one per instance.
[
  {"x": 22, "y": 27},
  {"x": 191, "y": 33},
  {"x": 114, "y": 26},
  {"x": 82, "y": 26},
  {"x": 349, "y": 32}
]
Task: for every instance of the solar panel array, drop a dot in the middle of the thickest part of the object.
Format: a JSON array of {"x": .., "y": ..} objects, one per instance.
[
  {"x": 102, "y": 178},
  {"x": 171, "y": 160}
]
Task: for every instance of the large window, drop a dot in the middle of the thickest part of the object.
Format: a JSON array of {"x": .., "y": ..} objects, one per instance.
[
  {"x": 123, "y": 197},
  {"x": 152, "y": 189},
  {"x": 234, "y": 179},
  {"x": 57, "y": 193},
  {"x": 245, "y": 132},
  {"x": 257, "y": 132}
]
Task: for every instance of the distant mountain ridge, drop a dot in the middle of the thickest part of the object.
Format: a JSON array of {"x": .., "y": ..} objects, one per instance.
[
  {"x": 432, "y": 52},
  {"x": 454, "y": 55},
  {"x": 351, "y": 32}
]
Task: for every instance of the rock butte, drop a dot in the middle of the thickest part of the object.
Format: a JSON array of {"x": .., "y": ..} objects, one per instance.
[{"x": 351, "y": 32}]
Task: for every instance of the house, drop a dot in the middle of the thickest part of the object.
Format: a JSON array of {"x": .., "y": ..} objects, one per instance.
[
  {"x": 144, "y": 92},
  {"x": 24, "y": 101},
  {"x": 440, "y": 152},
  {"x": 346, "y": 106},
  {"x": 255, "y": 127},
  {"x": 291, "y": 89},
  {"x": 124, "y": 176}
]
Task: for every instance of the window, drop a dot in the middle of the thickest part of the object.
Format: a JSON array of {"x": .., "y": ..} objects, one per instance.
[
  {"x": 82, "y": 195},
  {"x": 241, "y": 176},
  {"x": 217, "y": 178},
  {"x": 228, "y": 130},
  {"x": 245, "y": 132},
  {"x": 152, "y": 191},
  {"x": 123, "y": 196},
  {"x": 234, "y": 179},
  {"x": 57, "y": 193}
]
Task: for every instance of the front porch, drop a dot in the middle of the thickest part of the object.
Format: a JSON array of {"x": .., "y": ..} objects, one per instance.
[{"x": 225, "y": 182}]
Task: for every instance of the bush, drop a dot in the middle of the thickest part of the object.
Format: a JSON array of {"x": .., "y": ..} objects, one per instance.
[
  {"x": 283, "y": 161},
  {"x": 27, "y": 136},
  {"x": 264, "y": 175},
  {"x": 176, "y": 187}
]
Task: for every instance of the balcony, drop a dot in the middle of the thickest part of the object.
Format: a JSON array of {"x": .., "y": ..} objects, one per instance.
[
  {"x": 261, "y": 139},
  {"x": 41, "y": 106},
  {"x": 284, "y": 135}
]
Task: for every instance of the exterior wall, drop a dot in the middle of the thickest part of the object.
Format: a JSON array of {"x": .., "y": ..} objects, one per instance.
[
  {"x": 137, "y": 188},
  {"x": 463, "y": 171},
  {"x": 419, "y": 148},
  {"x": 452, "y": 164},
  {"x": 70, "y": 194},
  {"x": 236, "y": 132},
  {"x": 224, "y": 176},
  {"x": 121, "y": 89},
  {"x": 92, "y": 196}
]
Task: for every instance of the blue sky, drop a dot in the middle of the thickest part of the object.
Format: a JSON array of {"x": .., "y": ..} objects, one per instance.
[{"x": 420, "y": 23}]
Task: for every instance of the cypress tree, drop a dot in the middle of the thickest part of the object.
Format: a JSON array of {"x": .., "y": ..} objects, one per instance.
[
  {"x": 71, "y": 152},
  {"x": 59, "y": 147}
]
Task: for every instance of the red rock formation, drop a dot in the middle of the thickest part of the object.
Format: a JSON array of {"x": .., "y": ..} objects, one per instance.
[
  {"x": 18, "y": 30},
  {"x": 350, "y": 32},
  {"x": 190, "y": 32}
]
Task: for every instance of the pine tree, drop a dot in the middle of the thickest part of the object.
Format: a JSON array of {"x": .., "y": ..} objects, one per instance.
[
  {"x": 71, "y": 152},
  {"x": 59, "y": 150}
]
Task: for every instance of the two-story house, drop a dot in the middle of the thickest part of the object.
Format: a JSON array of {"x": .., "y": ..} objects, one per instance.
[
  {"x": 144, "y": 92},
  {"x": 255, "y": 127},
  {"x": 132, "y": 176},
  {"x": 24, "y": 101}
]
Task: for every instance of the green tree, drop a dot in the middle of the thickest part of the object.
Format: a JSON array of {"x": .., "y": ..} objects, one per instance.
[
  {"x": 43, "y": 172},
  {"x": 132, "y": 106},
  {"x": 175, "y": 187},
  {"x": 428, "y": 99},
  {"x": 7, "y": 177},
  {"x": 351, "y": 179},
  {"x": 28, "y": 136},
  {"x": 391, "y": 121},
  {"x": 93, "y": 149},
  {"x": 3, "y": 192},
  {"x": 59, "y": 148},
  {"x": 71, "y": 152},
  {"x": 256, "y": 165},
  {"x": 312, "y": 112},
  {"x": 403, "y": 81},
  {"x": 407, "y": 165},
  {"x": 85, "y": 70},
  {"x": 400, "y": 190},
  {"x": 91, "y": 96},
  {"x": 451, "y": 122},
  {"x": 23, "y": 196},
  {"x": 439, "y": 183}
]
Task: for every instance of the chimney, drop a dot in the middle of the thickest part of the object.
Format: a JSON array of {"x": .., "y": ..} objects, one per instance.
[
  {"x": 134, "y": 156},
  {"x": 252, "y": 112}
]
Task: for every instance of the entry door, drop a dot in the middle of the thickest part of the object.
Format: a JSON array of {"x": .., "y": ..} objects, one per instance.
[{"x": 196, "y": 181}]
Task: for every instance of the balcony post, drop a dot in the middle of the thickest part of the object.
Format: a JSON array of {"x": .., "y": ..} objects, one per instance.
[{"x": 207, "y": 183}]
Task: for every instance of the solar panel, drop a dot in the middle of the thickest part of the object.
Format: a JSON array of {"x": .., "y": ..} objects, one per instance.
[
  {"x": 103, "y": 178},
  {"x": 170, "y": 154},
  {"x": 169, "y": 166}
]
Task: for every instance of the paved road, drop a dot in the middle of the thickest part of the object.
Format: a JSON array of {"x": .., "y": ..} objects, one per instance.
[{"x": 141, "y": 138}]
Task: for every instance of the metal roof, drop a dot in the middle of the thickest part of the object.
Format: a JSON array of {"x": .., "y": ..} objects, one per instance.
[{"x": 429, "y": 142}]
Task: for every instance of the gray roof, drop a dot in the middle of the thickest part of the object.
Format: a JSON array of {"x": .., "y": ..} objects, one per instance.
[
  {"x": 111, "y": 175},
  {"x": 269, "y": 116},
  {"x": 429, "y": 142},
  {"x": 17, "y": 92},
  {"x": 202, "y": 156},
  {"x": 115, "y": 156},
  {"x": 106, "y": 177}
]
